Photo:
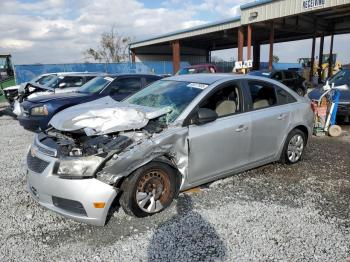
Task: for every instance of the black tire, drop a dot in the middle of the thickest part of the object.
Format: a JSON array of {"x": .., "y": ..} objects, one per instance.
[
  {"x": 155, "y": 180},
  {"x": 300, "y": 91},
  {"x": 286, "y": 156}
]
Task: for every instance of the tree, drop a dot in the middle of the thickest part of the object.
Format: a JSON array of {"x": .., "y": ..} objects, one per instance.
[
  {"x": 113, "y": 48},
  {"x": 275, "y": 59}
]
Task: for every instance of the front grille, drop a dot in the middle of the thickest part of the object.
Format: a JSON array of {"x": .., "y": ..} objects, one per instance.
[
  {"x": 69, "y": 205},
  {"x": 36, "y": 164}
]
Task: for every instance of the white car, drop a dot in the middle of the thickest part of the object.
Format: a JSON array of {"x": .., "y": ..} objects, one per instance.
[{"x": 44, "y": 85}]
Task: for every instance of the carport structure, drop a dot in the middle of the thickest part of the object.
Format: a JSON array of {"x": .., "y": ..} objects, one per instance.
[{"x": 261, "y": 22}]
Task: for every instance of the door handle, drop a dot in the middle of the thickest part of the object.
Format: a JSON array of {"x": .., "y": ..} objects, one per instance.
[
  {"x": 241, "y": 128},
  {"x": 281, "y": 116}
]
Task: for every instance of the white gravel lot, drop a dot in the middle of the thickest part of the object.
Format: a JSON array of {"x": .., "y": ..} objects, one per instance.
[{"x": 289, "y": 213}]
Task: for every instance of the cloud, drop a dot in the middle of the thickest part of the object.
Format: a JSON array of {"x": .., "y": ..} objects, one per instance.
[
  {"x": 15, "y": 44},
  {"x": 58, "y": 31},
  {"x": 55, "y": 31}
]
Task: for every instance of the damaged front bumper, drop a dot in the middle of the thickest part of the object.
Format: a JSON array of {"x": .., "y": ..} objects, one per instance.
[{"x": 85, "y": 200}]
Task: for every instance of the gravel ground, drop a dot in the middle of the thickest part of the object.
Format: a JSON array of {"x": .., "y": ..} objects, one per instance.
[{"x": 276, "y": 212}]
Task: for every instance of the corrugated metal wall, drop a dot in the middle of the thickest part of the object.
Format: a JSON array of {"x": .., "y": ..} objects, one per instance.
[
  {"x": 201, "y": 31},
  {"x": 283, "y": 8},
  {"x": 25, "y": 73}
]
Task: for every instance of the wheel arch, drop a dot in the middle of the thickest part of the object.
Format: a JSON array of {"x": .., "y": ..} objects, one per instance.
[
  {"x": 168, "y": 160},
  {"x": 165, "y": 159},
  {"x": 303, "y": 129}
]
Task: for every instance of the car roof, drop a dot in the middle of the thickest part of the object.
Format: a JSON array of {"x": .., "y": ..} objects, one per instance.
[
  {"x": 97, "y": 74},
  {"x": 207, "y": 79}
]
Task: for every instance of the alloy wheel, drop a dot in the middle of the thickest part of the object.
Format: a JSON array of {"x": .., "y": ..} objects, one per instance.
[{"x": 295, "y": 148}]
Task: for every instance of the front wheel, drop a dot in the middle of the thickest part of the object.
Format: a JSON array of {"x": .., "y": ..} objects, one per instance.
[
  {"x": 293, "y": 147},
  {"x": 149, "y": 190}
]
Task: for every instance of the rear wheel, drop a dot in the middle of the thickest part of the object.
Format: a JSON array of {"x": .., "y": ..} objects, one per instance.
[
  {"x": 293, "y": 147},
  {"x": 149, "y": 190}
]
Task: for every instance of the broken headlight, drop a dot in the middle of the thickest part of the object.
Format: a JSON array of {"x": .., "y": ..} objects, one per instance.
[
  {"x": 78, "y": 167},
  {"x": 39, "y": 111}
]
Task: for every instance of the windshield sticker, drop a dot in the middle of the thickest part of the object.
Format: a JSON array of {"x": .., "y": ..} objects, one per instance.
[
  {"x": 110, "y": 79},
  {"x": 197, "y": 85}
]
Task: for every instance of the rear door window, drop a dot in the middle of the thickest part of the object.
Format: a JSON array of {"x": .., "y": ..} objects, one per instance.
[
  {"x": 126, "y": 85},
  {"x": 289, "y": 75},
  {"x": 202, "y": 70},
  {"x": 150, "y": 80},
  {"x": 263, "y": 94},
  {"x": 72, "y": 81},
  {"x": 88, "y": 78},
  {"x": 277, "y": 76},
  {"x": 283, "y": 96},
  {"x": 225, "y": 101}
]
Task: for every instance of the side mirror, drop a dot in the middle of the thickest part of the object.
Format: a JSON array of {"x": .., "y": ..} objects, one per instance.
[
  {"x": 203, "y": 116},
  {"x": 62, "y": 85}
]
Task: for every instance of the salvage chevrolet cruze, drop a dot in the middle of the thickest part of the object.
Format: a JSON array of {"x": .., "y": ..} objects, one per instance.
[{"x": 177, "y": 133}]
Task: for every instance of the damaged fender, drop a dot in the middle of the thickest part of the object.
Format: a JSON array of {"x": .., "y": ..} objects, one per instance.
[{"x": 172, "y": 143}]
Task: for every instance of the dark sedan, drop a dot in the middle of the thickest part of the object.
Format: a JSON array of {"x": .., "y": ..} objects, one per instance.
[
  {"x": 289, "y": 78},
  {"x": 37, "y": 112},
  {"x": 341, "y": 81}
]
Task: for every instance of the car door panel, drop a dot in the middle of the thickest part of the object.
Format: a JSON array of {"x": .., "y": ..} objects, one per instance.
[
  {"x": 218, "y": 147},
  {"x": 268, "y": 127},
  {"x": 269, "y": 121}
]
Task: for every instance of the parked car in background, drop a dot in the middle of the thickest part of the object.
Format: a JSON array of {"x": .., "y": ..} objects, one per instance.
[
  {"x": 44, "y": 85},
  {"x": 37, "y": 111},
  {"x": 289, "y": 78},
  {"x": 340, "y": 81},
  {"x": 56, "y": 83},
  {"x": 177, "y": 133},
  {"x": 11, "y": 92},
  {"x": 198, "y": 69}
]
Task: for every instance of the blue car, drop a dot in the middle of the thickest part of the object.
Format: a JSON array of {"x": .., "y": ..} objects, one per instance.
[
  {"x": 37, "y": 112},
  {"x": 341, "y": 81}
]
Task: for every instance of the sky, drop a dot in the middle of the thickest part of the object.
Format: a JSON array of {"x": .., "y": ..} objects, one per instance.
[{"x": 59, "y": 31}]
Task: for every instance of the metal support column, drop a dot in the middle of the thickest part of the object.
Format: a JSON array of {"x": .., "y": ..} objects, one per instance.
[
  {"x": 208, "y": 56},
  {"x": 272, "y": 38},
  {"x": 312, "y": 58},
  {"x": 133, "y": 56},
  {"x": 240, "y": 44},
  {"x": 320, "y": 59},
  {"x": 256, "y": 56},
  {"x": 330, "y": 62},
  {"x": 249, "y": 42},
  {"x": 176, "y": 56}
]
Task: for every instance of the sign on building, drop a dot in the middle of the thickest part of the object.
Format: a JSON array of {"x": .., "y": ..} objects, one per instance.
[{"x": 309, "y": 4}]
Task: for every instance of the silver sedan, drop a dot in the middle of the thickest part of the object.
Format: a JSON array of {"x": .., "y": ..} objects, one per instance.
[{"x": 177, "y": 133}]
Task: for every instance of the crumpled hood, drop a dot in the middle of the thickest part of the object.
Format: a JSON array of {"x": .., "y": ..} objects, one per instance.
[{"x": 104, "y": 116}]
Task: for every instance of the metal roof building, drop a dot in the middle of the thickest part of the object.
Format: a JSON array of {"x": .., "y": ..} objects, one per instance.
[{"x": 260, "y": 22}]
